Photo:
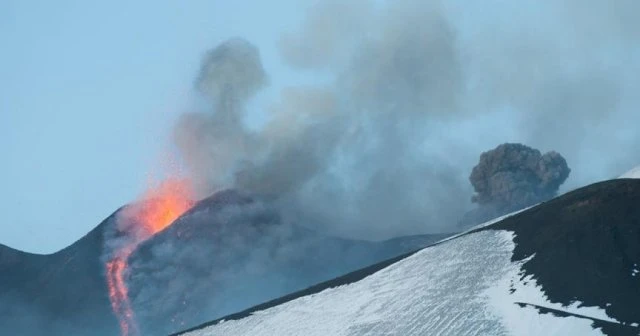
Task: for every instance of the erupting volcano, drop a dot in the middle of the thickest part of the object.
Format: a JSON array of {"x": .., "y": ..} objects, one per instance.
[{"x": 160, "y": 206}]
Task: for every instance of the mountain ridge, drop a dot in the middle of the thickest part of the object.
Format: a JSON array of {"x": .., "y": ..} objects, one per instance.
[
  {"x": 605, "y": 212},
  {"x": 66, "y": 292}
]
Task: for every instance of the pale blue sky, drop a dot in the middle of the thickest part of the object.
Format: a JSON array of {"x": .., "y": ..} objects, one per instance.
[{"x": 88, "y": 91}]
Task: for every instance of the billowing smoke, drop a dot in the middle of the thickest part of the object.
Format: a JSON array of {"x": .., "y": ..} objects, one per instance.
[
  {"x": 214, "y": 140},
  {"x": 411, "y": 92},
  {"x": 512, "y": 177},
  {"x": 343, "y": 156}
]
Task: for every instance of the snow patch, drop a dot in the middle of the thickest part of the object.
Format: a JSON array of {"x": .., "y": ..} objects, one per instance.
[
  {"x": 525, "y": 321},
  {"x": 633, "y": 173}
]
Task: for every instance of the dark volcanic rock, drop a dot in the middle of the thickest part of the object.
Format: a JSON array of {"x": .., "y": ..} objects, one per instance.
[
  {"x": 586, "y": 245},
  {"x": 63, "y": 293},
  {"x": 227, "y": 253},
  {"x": 231, "y": 252},
  {"x": 607, "y": 327}
]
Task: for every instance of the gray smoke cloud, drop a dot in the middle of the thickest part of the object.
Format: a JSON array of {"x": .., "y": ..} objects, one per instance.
[
  {"x": 511, "y": 177},
  {"x": 214, "y": 140},
  {"x": 417, "y": 89}
]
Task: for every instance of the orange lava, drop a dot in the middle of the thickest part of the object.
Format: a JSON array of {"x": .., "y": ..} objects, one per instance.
[
  {"x": 160, "y": 206},
  {"x": 163, "y": 205},
  {"x": 118, "y": 294}
]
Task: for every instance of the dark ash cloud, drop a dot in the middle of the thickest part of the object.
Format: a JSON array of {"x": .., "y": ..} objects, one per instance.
[{"x": 511, "y": 177}]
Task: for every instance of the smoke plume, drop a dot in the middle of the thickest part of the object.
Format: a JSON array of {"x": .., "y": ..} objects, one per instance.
[
  {"x": 415, "y": 90},
  {"x": 214, "y": 140},
  {"x": 512, "y": 177}
]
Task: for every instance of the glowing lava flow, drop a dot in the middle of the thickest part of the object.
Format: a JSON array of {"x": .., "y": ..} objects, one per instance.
[
  {"x": 158, "y": 209},
  {"x": 118, "y": 294}
]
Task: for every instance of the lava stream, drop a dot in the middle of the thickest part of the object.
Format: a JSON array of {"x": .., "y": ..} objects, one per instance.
[
  {"x": 158, "y": 209},
  {"x": 119, "y": 296}
]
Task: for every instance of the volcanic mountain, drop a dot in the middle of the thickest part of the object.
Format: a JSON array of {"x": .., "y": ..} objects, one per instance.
[
  {"x": 227, "y": 253},
  {"x": 60, "y": 293},
  {"x": 569, "y": 266}
]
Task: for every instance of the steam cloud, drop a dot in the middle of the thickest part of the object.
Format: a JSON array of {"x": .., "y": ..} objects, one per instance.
[{"x": 416, "y": 90}]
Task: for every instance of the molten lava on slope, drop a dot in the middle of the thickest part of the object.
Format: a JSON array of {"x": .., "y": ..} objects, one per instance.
[{"x": 158, "y": 209}]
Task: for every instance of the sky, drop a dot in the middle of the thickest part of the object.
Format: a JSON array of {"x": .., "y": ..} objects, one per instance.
[{"x": 88, "y": 93}]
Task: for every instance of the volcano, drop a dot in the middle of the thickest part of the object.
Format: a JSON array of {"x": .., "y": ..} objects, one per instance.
[
  {"x": 569, "y": 266},
  {"x": 227, "y": 253}
]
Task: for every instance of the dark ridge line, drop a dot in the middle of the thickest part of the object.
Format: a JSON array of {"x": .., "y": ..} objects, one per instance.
[
  {"x": 619, "y": 329},
  {"x": 563, "y": 313},
  {"x": 64, "y": 249},
  {"x": 364, "y": 272},
  {"x": 568, "y": 194}
]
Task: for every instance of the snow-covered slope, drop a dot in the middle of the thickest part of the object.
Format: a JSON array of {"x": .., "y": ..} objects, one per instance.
[
  {"x": 458, "y": 288},
  {"x": 565, "y": 267},
  {"x": 633, "y": 173}
]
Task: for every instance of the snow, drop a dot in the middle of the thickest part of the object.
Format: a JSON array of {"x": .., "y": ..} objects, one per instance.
[
  {"x": 485, "y": 224},
  {"x": 633, "y": 173},
  {"x": 460, "y": 287},
  {"x": 515, "y": 288}
]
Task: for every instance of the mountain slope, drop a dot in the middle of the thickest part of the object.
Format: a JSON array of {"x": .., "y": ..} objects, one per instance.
[
  {"x": 228, "y": 252},
  {"x": 60, "y": 293},
  {"x": 217, "y": 259},
  {"x": 565, "y": 267}
]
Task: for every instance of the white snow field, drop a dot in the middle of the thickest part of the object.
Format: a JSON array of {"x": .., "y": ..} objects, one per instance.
[
  {"x": 463, "y": 286},
  {"x": 633, "y": 173}
]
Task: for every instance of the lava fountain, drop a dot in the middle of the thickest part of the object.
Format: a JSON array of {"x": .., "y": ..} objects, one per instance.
[{"x": 159, "y": 207}]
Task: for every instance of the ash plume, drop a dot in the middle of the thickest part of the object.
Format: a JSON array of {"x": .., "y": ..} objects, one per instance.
[
  {"x": 511, "y": 177},
  {"x": 415, "y": 91},
  {"x": 214, "y": 139}
]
